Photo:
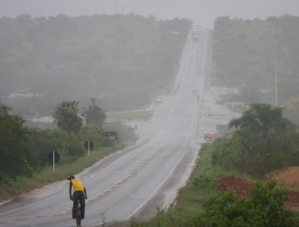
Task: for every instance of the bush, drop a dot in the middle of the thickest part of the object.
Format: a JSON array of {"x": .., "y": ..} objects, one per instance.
[{"x": 264, "y": 208}]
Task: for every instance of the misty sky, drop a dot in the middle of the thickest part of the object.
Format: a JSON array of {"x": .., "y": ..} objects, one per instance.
[{"x": 202, "y": 12}]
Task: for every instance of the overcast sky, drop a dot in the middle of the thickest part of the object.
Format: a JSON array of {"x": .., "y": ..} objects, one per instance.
[{"x": 202, "y": 12}]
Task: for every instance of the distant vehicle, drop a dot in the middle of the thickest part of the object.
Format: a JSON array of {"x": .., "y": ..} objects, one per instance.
[
  {"x": 158, "y": 100},
  {"x": 195, "y": 34}
]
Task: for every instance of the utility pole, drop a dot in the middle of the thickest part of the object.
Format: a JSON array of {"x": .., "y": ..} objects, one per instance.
[
  {"x": 35, "y": 103},
  {"x": 228, "y": 91},
  {"x": 275, "y": 72}
]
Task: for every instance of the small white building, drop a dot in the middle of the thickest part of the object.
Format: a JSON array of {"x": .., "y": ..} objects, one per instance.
[{"x": 27, "y": 92}]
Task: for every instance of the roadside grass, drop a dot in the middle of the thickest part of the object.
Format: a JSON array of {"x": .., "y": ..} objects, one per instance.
[
  {"x": 201, "y": 185},
  {"x": 133, "y": 115},
  {"x": 25, "y": 184}
]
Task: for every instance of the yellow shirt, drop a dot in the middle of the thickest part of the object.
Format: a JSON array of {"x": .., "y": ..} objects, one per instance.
[{"x": 77, "y": 185}]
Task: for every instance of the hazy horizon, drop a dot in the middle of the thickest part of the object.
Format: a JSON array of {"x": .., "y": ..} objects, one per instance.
[{"x": 201, "y": 12}]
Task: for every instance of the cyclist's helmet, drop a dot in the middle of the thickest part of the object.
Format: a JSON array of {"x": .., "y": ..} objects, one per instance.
[{"x": 70, "y": 177}]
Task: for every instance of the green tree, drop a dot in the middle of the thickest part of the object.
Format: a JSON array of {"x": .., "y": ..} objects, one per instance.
[
  {"x": 66, "y": 116},
  {"x": 263, "y": 141},
  {"x": 13, "y": 151},
  {"x": 41, "y": 142},
  {"x": 264, "y": 208},
  {"x": 262, "y": 120},
  {"x": 95, "y": 114}
]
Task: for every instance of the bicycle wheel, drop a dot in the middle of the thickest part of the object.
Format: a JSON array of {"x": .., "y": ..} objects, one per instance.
[
  {"x": 78, "y": 214},
  {"x": 78, "y": 220}
]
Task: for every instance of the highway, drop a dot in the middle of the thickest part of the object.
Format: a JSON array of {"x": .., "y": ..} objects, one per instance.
[{"x": 123, "y": 185}]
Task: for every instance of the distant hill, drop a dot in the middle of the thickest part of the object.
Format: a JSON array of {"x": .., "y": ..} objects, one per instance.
[
  {"x": 201, "y": 12},
  {"x": 123, "y": 60}
]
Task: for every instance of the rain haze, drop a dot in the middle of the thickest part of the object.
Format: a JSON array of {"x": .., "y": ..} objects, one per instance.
[
  {"x": 139, "y": 98},
  {"x": 202, "y": 12}
]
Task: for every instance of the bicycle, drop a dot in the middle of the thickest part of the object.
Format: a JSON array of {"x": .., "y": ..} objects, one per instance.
[{"x": 78, "y": 213}]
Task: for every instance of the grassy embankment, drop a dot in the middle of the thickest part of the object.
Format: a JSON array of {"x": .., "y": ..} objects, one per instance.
[{"x": 25, "y": 184}]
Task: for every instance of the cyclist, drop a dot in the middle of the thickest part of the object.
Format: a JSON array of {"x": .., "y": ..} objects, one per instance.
[{"x": 79, "y": 194}]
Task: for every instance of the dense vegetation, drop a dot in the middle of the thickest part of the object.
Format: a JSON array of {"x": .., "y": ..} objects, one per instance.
[
  {"x": 264, "y": 208},
  {"x": 263, "y": 141},
  {"x": 123, "y": 60},
  {"x": 248, "y": 54},
  {"x": 25, "y": 151}
]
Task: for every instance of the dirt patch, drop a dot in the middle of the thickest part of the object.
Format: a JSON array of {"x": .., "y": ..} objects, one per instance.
[{"x": 242, "y": 188}]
